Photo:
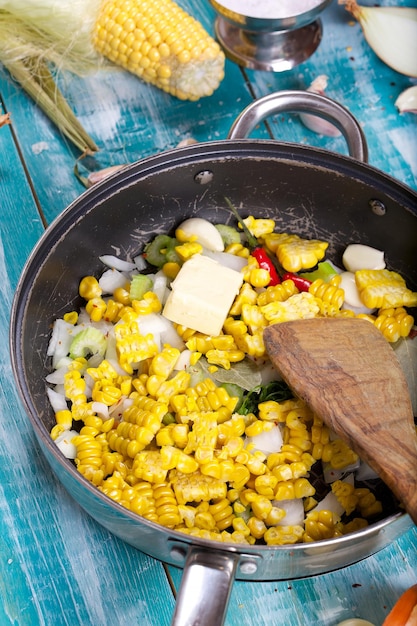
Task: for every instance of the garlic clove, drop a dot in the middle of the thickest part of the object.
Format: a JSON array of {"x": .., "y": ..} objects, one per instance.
[
  {"x": 391, "y": 32},
  {"x": 313, "y": 122},
  {"x": 407, "y": 100}
]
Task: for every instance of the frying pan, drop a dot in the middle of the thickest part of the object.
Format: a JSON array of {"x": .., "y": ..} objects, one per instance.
[{"x": 308, "y": 191}]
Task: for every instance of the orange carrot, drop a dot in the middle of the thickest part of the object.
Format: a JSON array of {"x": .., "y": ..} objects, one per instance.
[{"x": 404, "y": 612}]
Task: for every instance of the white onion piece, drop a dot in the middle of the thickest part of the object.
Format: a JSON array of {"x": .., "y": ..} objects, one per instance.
[
  {"x": 294, "y": 511},
  {"x": 56, "y": 377},
  {"x": 61, "y": 337},
  {"x": 202, "y": 231},
  {"x": 360, "y": 257},
  {"x": 268, "y": 441},
  {"x": 232, "y": 261},
  {"x": 140, "y": 262},
  {"x": 352, "y": 297},
  {"x": 111, "y": 280},
  {"x": 64, "y": 443},
  {"x": 57, "y": 400},
  {"x": 330, "y": 474},
  {"x": 160, "y": 287},
  {"x": 101, "y": 409},
  {"x": 170, "y": 336},
  {"x": 117, "y": 264},
  {"x": 330, "y": 503},
  {"x": 183, "y": 360},
  {"x": 390, "y": 32}
]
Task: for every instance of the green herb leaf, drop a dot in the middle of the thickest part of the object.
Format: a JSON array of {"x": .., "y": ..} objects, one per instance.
[{"x": 245, "y": 374}]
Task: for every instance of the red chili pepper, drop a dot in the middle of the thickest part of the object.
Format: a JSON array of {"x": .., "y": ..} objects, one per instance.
[
  {"x": 261, "y": 255},
  {"x": 265, "y": 263},
  {"x": 301, "y": 283}
]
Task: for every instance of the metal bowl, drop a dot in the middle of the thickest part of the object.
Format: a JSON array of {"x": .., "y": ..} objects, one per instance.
[{"x": 274, "y": 40}]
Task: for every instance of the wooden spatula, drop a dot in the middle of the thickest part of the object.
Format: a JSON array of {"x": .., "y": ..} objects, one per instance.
[{"x": 350, "y": 376}]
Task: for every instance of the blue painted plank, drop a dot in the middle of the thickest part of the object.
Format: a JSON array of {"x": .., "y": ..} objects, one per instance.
[{"x": 57, "y": 566}]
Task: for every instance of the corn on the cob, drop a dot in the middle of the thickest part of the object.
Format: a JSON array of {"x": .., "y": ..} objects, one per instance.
[{"x": 162, "y": 44}]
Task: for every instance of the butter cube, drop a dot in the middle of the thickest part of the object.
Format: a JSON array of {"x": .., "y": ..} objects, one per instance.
[{"x": 202, "y": 294}]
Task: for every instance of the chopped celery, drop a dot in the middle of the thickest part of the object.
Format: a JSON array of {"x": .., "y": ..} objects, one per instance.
[
  {"x": 155, "y": 251},
  {"x": 325, "y": 271},
  {"x": 171, "y": 255},
  {"x": 139, "y": 285},
  {"x": 88, "y": 342},
  {"x": 229, "y": 234},
  {"x": 234, "y": 391}
]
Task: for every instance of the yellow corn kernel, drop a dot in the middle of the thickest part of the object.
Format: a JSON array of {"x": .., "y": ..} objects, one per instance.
[
  {"x": 71, "y": 317},
  {"x": 238, "y": 250},
  {"x": 253, "y": 317},
  {"x": 236, "y": 328},
  {"x": 259, "y": 227},
  {"x": 64, "y": 419},
  {"x": 132, "y": 347},
  {"x": 246, "y": 295},
  {"x": 188, "y": 249},
  {"x": 394, "y": 323},
  {"x": 105, "y": 393},
  {"x": 300, "y": 306},
  {"x": 150, "y": 303},
  {"x": 320, "y": 525},
  {"x": 96, "y": 308},
  {"x": 295, "y": 253},
  {"x": 345, "y": 493},
  {"x": 222, "y": 513},
  {"x": 277, "y": 293},
  {"x": 175, "y": 385},
  {"x": 163, "y": 363},
  {"x": 166, "y": 505},
  {"x": 122, "y": 296},
  {"x": 196, "y": 487},
  {"x": 381, "y": 289},
  {"x": 169, "y": 49},
  {"x": 171, "y": 269},
  {"x": 253, "y": 345},
  {"x": 261, "y": 507},
  {"x": 89, "y": 288},
  {"x": 224, "y": 358},
  {"x": 329, "y": 293},
  {"x": 258, "y": 277},
  {"x": 283, "y": 535},
  {"x": 257, "y": 527}
]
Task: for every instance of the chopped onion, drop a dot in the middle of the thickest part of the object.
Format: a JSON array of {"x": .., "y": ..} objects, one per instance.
[
  {"x": 111, "y": 280},
  {"x": 117, "y": 264},
  {"x": 64, "y": 443},
  {"x": 294, "y": 511},
  {"x": 268, "y": 441},
  {"x": 57, "y": 400},
  {"x": 232, "y": 261}
]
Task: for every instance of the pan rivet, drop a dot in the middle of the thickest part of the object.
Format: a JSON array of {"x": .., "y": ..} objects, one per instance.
[
  {"x": 204, "y": 177},
  {"x": 377, "y": 207},
  {"x": 178, "y": 554},
  {"x": 248, "y": 567}
]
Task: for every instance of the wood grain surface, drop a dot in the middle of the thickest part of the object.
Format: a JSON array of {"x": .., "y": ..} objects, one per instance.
[{"x": 57, "y": 566}]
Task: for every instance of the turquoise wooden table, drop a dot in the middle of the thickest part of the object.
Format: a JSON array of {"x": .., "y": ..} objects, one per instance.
[{"x": 58, "y": 566}]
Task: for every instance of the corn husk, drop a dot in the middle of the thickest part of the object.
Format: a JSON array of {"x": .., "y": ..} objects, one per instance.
[{"x": 29, "y": 52}]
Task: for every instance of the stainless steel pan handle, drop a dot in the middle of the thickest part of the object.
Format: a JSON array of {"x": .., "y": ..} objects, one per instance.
[
  {"x": 205, "y": 588},
  {"x": 303, "y": 102}
]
